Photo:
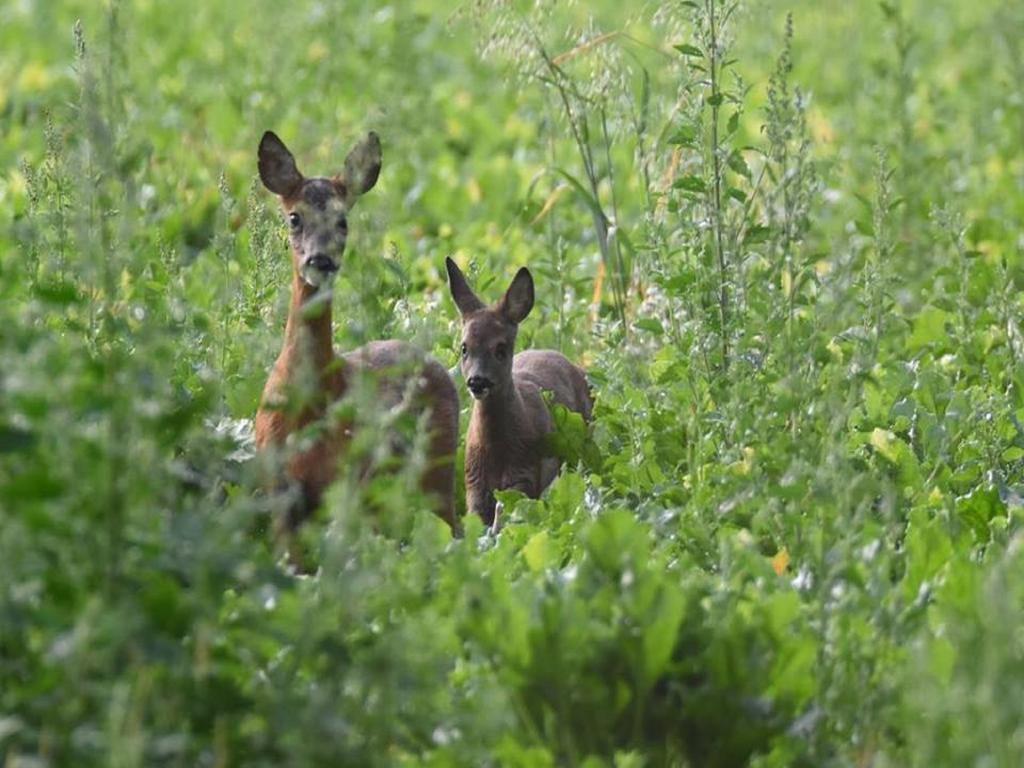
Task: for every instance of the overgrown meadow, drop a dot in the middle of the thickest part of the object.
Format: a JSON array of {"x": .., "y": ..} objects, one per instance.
[{"x": 785, "y": 238}]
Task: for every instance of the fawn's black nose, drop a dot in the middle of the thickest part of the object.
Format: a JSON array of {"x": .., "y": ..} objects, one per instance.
[
  {"x": 322, "y": 263},
  {"x": 478, "y": 385}
]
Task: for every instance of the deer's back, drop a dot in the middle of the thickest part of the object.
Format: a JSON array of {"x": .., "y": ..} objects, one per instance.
[
  {"x": 549, "y": 370},
  {"x": 400, "y": 372},
  {"x": 397, "y": 365}
]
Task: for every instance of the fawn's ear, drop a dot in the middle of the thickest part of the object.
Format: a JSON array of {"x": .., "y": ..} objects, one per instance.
[
  {"x": 278, "y": 171},
  {"x": 517, "y": 302},
  {"x": 465, "y": 299},
  {"x": 362, "y": 167}
]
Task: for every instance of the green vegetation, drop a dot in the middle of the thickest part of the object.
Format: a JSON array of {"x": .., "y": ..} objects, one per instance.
[{"x": 790, "y": 254}]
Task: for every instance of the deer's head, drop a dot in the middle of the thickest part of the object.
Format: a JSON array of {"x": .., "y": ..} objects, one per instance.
[
  {"x": 489, "y": 332},
  {"x": 317, "y": 208}
]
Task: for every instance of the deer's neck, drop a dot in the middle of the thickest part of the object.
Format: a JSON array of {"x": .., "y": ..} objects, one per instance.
[
  {"x": 307, "y": 333},
  {"x": 501, "y": 416}
]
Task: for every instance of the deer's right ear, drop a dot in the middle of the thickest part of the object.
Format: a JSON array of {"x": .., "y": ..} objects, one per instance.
[
  {"x": 465, "y": 299},
  {"x": 278, "y": 171},
  {"x": 518, "y": 299}
]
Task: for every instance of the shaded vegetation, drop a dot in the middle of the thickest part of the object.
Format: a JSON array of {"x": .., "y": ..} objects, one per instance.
[{"x": 786, "y": 242}]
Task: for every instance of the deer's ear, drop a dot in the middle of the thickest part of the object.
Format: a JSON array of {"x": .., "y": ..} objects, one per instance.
[
  {"x": 465, "y": 299},
  {"x": 362, "y": 167},
  {"x": 278, "y": 171},
  {"x": 517, "y": 302}
]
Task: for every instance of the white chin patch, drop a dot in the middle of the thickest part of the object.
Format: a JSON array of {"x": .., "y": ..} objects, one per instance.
[
  {"x": 481, "y": 395},
  {"x": 317, "y": 278}
]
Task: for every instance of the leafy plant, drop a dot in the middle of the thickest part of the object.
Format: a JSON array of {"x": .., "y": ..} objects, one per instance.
[{"x": 786, "y": 247}]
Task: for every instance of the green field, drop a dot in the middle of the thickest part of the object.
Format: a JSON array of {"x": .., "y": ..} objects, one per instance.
[{"x": 789, "y": 254}]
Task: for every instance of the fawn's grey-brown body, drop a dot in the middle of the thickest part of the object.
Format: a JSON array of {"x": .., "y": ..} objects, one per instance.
[
  {"x": 317, "y": 213},
  {"x": 505, "y": 445}
]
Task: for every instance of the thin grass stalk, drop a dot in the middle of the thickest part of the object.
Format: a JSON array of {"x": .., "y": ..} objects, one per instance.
[
  {"x": 581, "y": 136},
  {"x": 619, "y": 277},
  {"x": 715, "y": 101}
]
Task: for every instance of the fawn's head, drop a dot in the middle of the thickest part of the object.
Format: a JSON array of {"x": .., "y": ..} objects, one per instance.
[
  {"x": 489, "y": 333},
  {"x": 317, "y": 208}
]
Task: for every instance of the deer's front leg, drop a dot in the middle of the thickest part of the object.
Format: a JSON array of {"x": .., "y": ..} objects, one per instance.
[
  {"x": 479, "y": 486},
  {"x": 480, "y": 501},
  {"x": 525, "y": 482}
]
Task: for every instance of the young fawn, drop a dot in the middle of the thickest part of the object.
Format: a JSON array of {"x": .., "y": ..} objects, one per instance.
[
  {"x": 316, "y": 210},
  {"x": 505, "y": 446}
]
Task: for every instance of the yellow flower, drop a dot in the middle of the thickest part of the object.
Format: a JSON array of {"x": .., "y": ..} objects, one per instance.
[
  {"x": 34, "y": 78},
  {"x": 317, "y": 51}
]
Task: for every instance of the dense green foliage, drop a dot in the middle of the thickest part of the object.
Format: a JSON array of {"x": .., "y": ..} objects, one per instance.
[{"x": 790, "y": 254}]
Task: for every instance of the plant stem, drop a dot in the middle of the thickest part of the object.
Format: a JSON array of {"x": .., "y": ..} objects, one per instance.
[
  {"x": 619, "y": 279},
  {"x": 723, "y": 283},
  {"x": 581, "y": 136}
]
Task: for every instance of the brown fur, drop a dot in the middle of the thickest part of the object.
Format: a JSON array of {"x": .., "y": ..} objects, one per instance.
[
  {"x": 308, "y": 351},
  {"x": 505, "y": 445}
]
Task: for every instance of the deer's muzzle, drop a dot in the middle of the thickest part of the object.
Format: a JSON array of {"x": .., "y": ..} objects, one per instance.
[
  {"x": 479, "y": 386},
  {"x": 322, "y": 263},
  {"x": 318, "y": 269}
]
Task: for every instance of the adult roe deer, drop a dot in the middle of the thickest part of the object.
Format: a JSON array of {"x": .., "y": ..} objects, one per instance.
[
  {"x": 505, "y": 446},
  {"x": 316, "y": 210}
]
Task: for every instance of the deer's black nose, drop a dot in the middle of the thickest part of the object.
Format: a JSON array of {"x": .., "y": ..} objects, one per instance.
[
  {"x": 478, "y": 384},
  {"x": 322, "y": 262}
]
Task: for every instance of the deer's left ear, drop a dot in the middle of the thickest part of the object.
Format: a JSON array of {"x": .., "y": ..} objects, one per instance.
[
  {"x": 362, "y": 167},
  {"x": 518, "y": 299}
]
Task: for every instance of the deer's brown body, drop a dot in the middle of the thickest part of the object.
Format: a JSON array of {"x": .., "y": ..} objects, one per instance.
[
  {"x": 402, "y": 374},
  {"x": 506, "y": 443}
]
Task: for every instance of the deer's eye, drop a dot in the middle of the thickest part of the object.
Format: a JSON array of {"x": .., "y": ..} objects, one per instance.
[
  {"x": 294, "y": 220},
  {"x": 343, "y": 224},
  {"x": 501, "y": 351},
  {"x": 465, "y": 351}
]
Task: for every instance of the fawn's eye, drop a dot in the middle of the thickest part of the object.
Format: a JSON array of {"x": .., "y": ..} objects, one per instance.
[
  {"x": 343, "y": 224},
  {"x": 295, "y": 220},
  {"x": 464, "y": 350},
  {"x": 501, "y": 351}
]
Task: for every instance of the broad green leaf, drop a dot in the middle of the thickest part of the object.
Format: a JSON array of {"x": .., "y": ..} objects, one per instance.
[
  {"x": 690, "y": 183},
  {"x": 738, "y": 163},
  {"x": 60, "y": 293},
  {"x": 756, "y": 234},
  {"x": 685, "y": 135},
  {"x": 661, "y": 633},
  {"x": 897, "y": 452},
  {"x": 978, "y": 508},
  {"x": 650, "y": 324},
  {"x": 928, "y": 548},
  {"x": 539, "y": 552},
  {"x": 737, "y": 194},
  {"x": 15, "y": 439},
  {"x": 688, "y": 50},
  {"x": 733, "y": 124},
  {"x": 929, "y": 329}
]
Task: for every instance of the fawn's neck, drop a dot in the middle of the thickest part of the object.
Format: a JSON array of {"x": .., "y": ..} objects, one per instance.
[
  {"x": 500, "y": 415},
  {"x": 307, "y": 333}
]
